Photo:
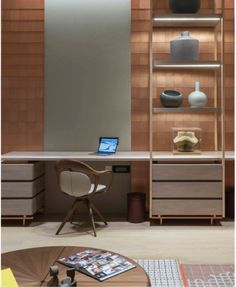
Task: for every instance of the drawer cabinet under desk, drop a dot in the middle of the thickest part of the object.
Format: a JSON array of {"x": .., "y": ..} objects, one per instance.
[
  {"x": 187, "y": 190},
  {"x": 22, "y": 190}
]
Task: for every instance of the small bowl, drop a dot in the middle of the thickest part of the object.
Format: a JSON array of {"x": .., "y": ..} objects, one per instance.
[{"x": 171, "y": 99}]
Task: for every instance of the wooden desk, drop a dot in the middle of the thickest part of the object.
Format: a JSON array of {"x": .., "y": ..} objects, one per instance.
[{"x": 31, "y": 268}]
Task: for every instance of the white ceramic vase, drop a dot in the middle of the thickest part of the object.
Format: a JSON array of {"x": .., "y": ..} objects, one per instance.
[{"x": 197, "y": 99}]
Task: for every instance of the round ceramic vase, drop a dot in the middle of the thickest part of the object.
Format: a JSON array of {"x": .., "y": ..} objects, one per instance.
[
  {"x": 184, "y": 48},
  {"x": 197, "y": 99},
  {"x": 184, "y": 6},
  {"x": 171, "y": 99}
]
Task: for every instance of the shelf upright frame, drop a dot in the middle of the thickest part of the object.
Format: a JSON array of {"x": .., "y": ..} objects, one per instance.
[
  {"x": 223, "y": 105},
  {"x": 150, "y": 107},
  {"x": 215, "y": 85}
]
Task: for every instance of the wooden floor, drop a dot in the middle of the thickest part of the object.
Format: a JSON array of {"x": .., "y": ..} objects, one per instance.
[{"x": 191, "y": 242}]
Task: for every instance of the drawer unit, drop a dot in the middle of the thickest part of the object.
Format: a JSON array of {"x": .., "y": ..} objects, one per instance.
[
  {"x": 22, "y": 171},
  {"x": 22, "y": 188},
  {"x": 187, "y": 172},
  {"x": 186, "y": 207},
  {"x": 187, "y": 189},
  {"x": 25, "y": 206}
]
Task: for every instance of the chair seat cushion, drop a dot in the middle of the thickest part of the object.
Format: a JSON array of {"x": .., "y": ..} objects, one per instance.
[{"x": 100, "y": 188}]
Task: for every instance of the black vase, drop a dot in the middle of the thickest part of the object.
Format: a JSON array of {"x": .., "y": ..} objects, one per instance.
[{"x": 184, "y": 6}]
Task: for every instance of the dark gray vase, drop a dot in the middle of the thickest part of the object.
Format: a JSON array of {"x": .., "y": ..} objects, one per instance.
[
  {"x": 184, "y": 6},
  {"x": 171, "y": 99},
  {"x": 184, "y": 48}
]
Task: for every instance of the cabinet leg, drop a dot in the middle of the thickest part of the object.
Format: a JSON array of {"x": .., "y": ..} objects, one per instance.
[
  {"x": 213, "y": 218},
  {"x": 24, "y": 220},
  {"x": 161, "y": 220}
]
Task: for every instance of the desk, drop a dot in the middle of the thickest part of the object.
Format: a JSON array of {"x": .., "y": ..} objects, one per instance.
[
  {"x": 31, "y": 266},
  {"x": 119, "y": 156},
  {"x": 83, "y": 156},
  {"x": 19, "y": 207},
  {"x": 128, "y": 156}
]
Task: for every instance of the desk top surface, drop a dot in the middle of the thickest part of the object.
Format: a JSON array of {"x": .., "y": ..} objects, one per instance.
[
  {"x": 86, "y": 156},
  {"x": 119, "y": 156}
]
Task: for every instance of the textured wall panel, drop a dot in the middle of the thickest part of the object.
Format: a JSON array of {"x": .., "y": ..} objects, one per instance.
[{"x": 22, "y": 74}]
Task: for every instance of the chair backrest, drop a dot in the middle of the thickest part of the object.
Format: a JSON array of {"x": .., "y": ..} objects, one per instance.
[
  {"x": 73, "y": 178},
  {"x": 74, "y": 183}
]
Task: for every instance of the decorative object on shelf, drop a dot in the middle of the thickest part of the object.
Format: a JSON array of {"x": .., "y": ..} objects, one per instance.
[
  {"x": 186, "y": 140},
  {"x": 184, "y": 6},
  {"x": 171, "y": 99},
  {"x": 184, "y": 48},
  {"x": 197, "y": 99}
]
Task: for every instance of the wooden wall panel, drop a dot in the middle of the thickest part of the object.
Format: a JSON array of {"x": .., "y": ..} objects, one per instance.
[
  {"x": 163, "y": 123},
  {"x": 229, "y": 75},
  {"x": 22, "y": 74},
  {"x": 140, "y": 91}
]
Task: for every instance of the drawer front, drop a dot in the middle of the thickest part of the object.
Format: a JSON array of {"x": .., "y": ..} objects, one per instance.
[
  {"x": 26, "y": 171},
  {"x": 187, "y": 172},
  {"x": 187, "y": 189},
  {"x": 22, "y": 206},
  {"x": 186, "y": 207},
  {"x": 22, "y": 189}
]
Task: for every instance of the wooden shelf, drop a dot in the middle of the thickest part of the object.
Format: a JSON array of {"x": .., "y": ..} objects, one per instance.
[
  {"x": 186, "y": 20},
  {"x": 169, "y": 64},
  {"x": 186, "y": 110},
  {"x": 203, "y": 156}
]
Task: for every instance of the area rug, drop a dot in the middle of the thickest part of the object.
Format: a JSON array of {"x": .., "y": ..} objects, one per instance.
[
  {"x": 209, "y": 275},
  {"x": 170, "y": 273},
  {"x": 163, "y": 273}
]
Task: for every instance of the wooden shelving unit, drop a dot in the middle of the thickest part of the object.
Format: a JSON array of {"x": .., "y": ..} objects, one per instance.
[{"x": 187, "y": 185}]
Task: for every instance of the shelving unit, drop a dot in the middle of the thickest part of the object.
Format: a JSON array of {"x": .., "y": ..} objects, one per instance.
[{"x": 188, "y": 185}]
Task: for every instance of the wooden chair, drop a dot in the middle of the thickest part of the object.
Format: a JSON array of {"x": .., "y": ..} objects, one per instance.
[{"x": 81, "y": 181}]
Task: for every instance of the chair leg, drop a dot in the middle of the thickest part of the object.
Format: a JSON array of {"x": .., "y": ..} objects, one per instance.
[
  {"x": 73, "y": 215},
  {"x": 98, "y": 213},
  {"x": 68, "y": 215},
  {"x": 91, "y": 216}
]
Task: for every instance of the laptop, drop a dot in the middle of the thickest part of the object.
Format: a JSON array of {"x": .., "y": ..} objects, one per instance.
[{"x": 107, "y": 145}]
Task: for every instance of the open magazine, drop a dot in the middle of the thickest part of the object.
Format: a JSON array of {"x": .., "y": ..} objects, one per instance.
[{"x": 98, "y": 264}]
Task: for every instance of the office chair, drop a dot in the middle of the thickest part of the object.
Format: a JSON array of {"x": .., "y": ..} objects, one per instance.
[{"x": 81, "y": 181}]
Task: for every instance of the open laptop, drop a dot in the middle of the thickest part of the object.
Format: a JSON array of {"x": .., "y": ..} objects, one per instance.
[{"x": 107, "y": 145}]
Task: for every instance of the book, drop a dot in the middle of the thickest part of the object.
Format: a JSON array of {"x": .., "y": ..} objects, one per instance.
[
  {"x": 7, "y": 278},
  {"x": 98, "y": 264}
]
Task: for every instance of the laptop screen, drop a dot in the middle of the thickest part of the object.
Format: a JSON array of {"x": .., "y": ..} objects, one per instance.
[{"x": 108, "y": 145}]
